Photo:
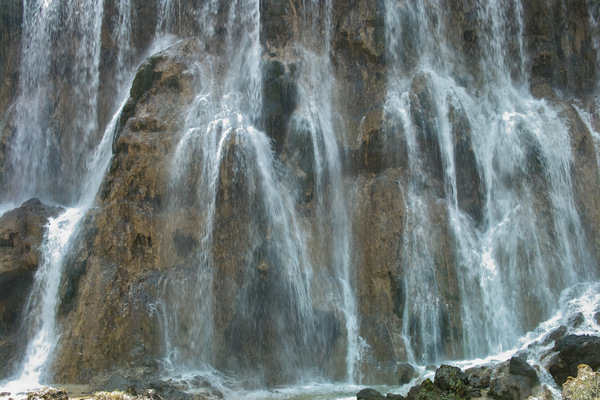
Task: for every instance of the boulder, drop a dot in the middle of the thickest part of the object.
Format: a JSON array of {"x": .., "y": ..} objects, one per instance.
[
  {"x": 369, "y": 394},
  {"x": 429, "y": 391},
  {"x": 518, "y": 366},
  {"x": 510, "y": 387},
  {"x": 451, "y": 379},
  {"x": 479, "y": 377},
  {"x": 571, "y": 351},
  {"x": 405, "y": 373}
]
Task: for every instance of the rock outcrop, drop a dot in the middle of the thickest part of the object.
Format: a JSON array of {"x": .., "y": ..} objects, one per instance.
[{"x": 116, "y": 268}]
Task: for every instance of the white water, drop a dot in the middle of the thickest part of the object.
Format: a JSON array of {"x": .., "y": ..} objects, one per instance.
[
  {"x": 41, "y": 309},
  {"x": 36, "y": 164},
  {"x": 516, "y": 256},
  {"x": 223, "y": 132},
  {"x": 42, "y": 22}
]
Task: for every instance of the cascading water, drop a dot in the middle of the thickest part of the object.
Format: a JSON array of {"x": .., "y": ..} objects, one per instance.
[
  {"x": 37, "y": 163},
  {"x": 314, "y": 118},
  {"x": 516, "y": 257},
  {"x": 224, "y": 148},
  {"x": 37, "y": 166}
]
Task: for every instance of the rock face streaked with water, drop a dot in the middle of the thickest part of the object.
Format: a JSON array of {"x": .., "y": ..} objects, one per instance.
[{"x": 287, "y": 191}]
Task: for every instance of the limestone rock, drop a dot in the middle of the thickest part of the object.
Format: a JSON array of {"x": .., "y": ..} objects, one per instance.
[
  {"x": 510, "y": 387},
  {"x": 114, "y": 268},
  {"x": 429, "y": 391},
  {"x": 48, "y": 393}
]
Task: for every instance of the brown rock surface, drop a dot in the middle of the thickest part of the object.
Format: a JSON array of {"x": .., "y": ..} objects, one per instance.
[{"x": 117, "y": 264}]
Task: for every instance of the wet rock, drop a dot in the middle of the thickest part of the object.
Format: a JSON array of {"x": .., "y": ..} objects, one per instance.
[
  {"x": 451, "y": 379},
  {"x": 555, "y": 335},
  {"x": 469, "y": 185},
  {"x": 405, "y": 373},
  {"x": 369, "y": 394},
  {"x": 510, "y": 387},
  {"x": 424, "y": 114},
  {"x": 479, "y": 377},
  {"x": 391, "y": 396},
  {"x": 429, "y": 391},
  {"x": 559, "y": 42},
  {"x": 518, "y": 366},
  {"x": 573, "y": 350},
  {"x": 21, "y": 235},
  {"x": 379, "y": 219},
  {"x": 383, "y": 144},
  {"x": 279, "y": 99},
  {"x": 113, "y": 270}
]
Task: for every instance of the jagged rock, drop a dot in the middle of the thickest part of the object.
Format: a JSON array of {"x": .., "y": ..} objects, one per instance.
[
  {"x": 573, "y": 350},
  {"x": 584, "y": 386},
  {"x": 451, "y": 379}
]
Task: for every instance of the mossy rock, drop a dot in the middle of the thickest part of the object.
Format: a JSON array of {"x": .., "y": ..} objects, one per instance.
[{"x": 586, "y": 386}]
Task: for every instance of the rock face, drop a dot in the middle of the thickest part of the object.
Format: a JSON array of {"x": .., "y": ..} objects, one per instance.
[
  {"x": 393, "y": 198},
  {"x": 21, "y": 235},
  {"x": 116, "y": 268}
]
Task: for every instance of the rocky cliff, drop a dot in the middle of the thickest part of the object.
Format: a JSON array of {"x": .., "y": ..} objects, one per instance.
[{"x": 239, "y": 266}]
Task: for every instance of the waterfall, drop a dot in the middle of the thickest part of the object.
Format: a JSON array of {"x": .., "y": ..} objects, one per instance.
[
  {"x": 252, "y": 277},
  {"x": 223, "y": 147},
  {"x": 41, "y": 310},
  {"x": 313, "y": 121},
  {"x": 37, "y": 166},
  {"x": 526, "y": 246}
]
